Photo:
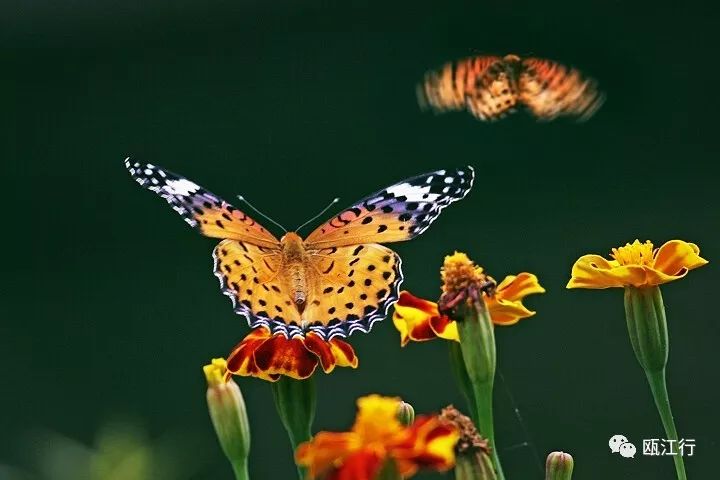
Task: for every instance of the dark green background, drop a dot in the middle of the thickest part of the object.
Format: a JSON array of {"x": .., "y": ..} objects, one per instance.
[{"x": 109, "y": 305}]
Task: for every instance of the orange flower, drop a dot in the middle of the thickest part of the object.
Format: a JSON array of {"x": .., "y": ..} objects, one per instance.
[
  {"x": 376, "y": 438},
  {"x": 419, "y": 320},
  {"x": 637, "y": 265},
  {"x": 268, "y": 356}
]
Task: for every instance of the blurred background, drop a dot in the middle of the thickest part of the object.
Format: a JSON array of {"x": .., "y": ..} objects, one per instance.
[{"x": 109, "y": 307}]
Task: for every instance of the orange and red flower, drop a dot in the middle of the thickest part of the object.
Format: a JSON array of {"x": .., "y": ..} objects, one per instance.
[
  {"x": 267, "y": 356},
  {"x": 378, "y": 437},
  {"x": 419, "y": 320}
]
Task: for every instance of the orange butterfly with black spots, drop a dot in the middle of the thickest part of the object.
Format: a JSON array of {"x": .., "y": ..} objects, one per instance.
[
  {"x": 491, "y": 87},
  {"x": 336, "y": 281}
]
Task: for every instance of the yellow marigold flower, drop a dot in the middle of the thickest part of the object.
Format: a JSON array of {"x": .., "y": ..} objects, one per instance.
[
  {"x": 419, "y": 320},
  {"x": 637, "y": 265},
  {"x": 377, "y": 437}
]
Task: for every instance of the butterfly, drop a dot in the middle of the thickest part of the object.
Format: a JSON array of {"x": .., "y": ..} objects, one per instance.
[
  {"x": 339, "y": 279},
  {"x": 491, "y": 87}
]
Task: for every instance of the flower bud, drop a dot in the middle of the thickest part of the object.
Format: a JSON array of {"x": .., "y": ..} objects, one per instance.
[
  {"x": 406, "y": 413},
  {"x": 229, "y": 416},
  {"x": 647, "y": 326},
  {"x": 559, "y": 466}
]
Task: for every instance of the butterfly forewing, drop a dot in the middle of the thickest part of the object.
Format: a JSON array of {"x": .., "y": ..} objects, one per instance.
[
  {"x": 550, "y": 90},
  {"x": 447, "y": 88},
  {"x": 399, "y": 212},
  {"x": 200, "y": 208}
]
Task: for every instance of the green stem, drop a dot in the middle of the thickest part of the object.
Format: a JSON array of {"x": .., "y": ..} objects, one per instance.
[
  {"x": 483, "y": 393},
  {"x": 457, "y": 364},
  {"x": 662, "y": 401},
  {"x": 241, "y": 470},
  {"x": 647, "y": 327},
  {"x": 295, "y": 402},
  {"x": 477, "y": 345}
]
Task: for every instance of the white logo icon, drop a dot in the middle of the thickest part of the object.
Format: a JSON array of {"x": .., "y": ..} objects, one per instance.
[
  {"x": 628, "y": 450},
  {"x": 620, "y": 444},
  {"x": 616, "y": 441}
]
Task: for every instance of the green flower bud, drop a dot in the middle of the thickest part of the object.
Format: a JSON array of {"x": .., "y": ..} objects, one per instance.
[
  {"x": 229, "y": 416},
  {"x": 647, "y": 326},
  {"x": 559, "y": 466},
  {"x": 406, "y": 413}
]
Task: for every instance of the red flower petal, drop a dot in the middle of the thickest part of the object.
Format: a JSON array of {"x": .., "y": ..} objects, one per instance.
[
  {"x": 322, "y": 349},
  {"x": 344, "y": 353},
  {"x": 362, "y": 465},
  {"x": 241, "y": 360},
  {"x": 280, "y": 355}
]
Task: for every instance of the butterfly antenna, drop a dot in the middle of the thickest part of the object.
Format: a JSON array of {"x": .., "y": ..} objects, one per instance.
[
  {"x": 334, "y": 201},
  {"x": 243, "y": 199}
]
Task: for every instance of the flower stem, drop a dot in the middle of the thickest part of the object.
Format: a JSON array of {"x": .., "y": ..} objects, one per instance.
[
  {"x": 295, "y": 404},
  {"x": 483, "y": 394},
  {"x": 477, "y": 345},
  {"x": 241, "y": 470},
  {"x": 662, "y": 401},
  {"x": 457, "y": 364},
  {"x": 647, "y": 327}
]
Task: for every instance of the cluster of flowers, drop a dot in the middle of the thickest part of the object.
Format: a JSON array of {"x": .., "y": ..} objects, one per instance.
[{"x": 387, "y": 441}]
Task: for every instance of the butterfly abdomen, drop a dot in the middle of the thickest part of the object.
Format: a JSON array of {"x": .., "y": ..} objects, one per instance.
[{"x": 294, "y": 261}]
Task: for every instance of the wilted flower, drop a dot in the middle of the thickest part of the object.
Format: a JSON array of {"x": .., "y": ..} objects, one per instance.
[{"x": 419, "y": 320}]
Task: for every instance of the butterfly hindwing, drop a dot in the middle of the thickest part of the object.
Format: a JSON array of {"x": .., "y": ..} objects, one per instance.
[
  {"x": 200, "y": 208},
  {"x": 255, "y": 280},
  {"x": 354, "y": 288},
  {"x": 349, "y": 288},
  {"x": 399, "y": 212}
]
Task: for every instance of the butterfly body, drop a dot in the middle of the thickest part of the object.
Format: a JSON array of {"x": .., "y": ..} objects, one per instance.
[
  {"x": 336, "y": 281},
  {"x": 297, "y": 267},
  {"x": 491, "y": 87}
]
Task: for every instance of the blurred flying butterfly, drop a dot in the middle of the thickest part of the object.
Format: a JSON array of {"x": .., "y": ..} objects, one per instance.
[
  {"x": 491, "y": 87},
  {"x": 336, "y": 281}
]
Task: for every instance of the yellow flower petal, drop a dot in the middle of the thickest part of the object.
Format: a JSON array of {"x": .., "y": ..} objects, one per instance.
[
  {"x": 593, "y": 271},
  {"x": 516, "y": 287},
  {"x": 506, "y": 307},
  {"x": 377, "y": 417},
  {"x": 325, "y": 450},
  {"x": 412, "y": 317},
  {"x": 445, "y": 328},
  {"x": 505, "y": 312},
  {"x": 216, "y": 372},
  {"x": 635, "y": 267},
  {"x": 676, "y": 258}
]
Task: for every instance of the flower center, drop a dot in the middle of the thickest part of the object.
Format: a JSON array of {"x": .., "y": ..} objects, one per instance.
[
  {"x": 635, "y": 253},
  {"x": 459, "y": 272}
]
